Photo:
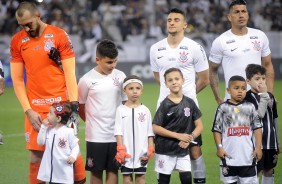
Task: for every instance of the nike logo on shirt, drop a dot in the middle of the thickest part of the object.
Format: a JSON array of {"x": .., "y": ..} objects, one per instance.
[
  {"x": 160, "y": 57},
  {"x": 169, "y": 114},
  {"x": 233, "y": 49}
]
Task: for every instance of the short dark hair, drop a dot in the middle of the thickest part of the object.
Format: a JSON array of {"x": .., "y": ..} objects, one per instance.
[
  {"x": 176, "y": 10},
  {"x": 236, "y": 78},
  {"x": 107, "y": 48},
  {"x": 237, "y": 2},
  {"x": 172, "y": 70},
  {"x": 26, "y": 6},
  {"x": 253, "y": 69}
]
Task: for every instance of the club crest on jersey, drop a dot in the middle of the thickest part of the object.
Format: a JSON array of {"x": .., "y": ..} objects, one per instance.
[
  {"x": 161, "y": 163},
  {"x": 48, "y": 36},
  {"x": 187, "y": 112},
  {"x": 141, "y": 117},
  {"x": 48, "y": 44},
  {"x": 236, "y": 110},
  {"x": 183, "y": 57},
  {"x": 256, "y": 45},
  {"x": 90, "y": 162},
  {"x": 270, "y": 103},
  {"x": 62, "y": 142},
  {"x": 25, "y": 39},
  {"x": 116, "y": 81}
]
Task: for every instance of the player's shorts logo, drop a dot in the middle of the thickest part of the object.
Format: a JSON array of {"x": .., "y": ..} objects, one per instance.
[
  {"x": 90, "y": 162},
  {"x": 161, "y": 163},
  {"x": 27, "y": 135}
]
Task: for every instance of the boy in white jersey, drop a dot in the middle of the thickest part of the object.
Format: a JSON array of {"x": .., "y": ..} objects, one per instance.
[
  {"x": 181, "y": 52},
  {"x": 265, "y": 104},
  {"x": 238, "y": 47},
  {"x": 100, "y": 93},
  {"x": 235, "y": 124},
  {"x": 61, "y": 145},
  {"x": 176, "y": 124},
  {"x": 134, "y": 133}
]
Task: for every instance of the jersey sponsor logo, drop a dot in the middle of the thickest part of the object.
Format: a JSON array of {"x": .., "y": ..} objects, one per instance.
[
  {"x": 25, "y": 39},
  {"x": 48, "y": 44},
  {"x": 48, "y": 36},
  {"x": 183, "y": 57},
  {"x": 159, "y": 57},
  {"x": 246, "y": 50},
  {"x": 45, "y": 101},
  {"x": 161, "y": 163},
  {"x": 171, "y": 59},
  {"x": 230, "y": 41},
  {"x": 62, "y": 142},
  {"x": 238, "y": 131},
  {"x": 253, "y": 37},
  {"x": 233, "y": 49},
  {"x": 141, "y": 117},
  {"x": 161, "y": 48},
  {"x": 187, "y": 111},
  {"x": 116, "y": 81},
  {"x": 183, "y": 47},
  {"x": 256, "y": 45},
  {"x": 90, "y": 162}
]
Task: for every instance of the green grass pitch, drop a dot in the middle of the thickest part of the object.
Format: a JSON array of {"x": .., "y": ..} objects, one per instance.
[{"x": 14, "y": 158}]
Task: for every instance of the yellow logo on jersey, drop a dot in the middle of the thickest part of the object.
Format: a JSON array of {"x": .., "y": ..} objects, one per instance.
[{"x": 236, "y": 110}]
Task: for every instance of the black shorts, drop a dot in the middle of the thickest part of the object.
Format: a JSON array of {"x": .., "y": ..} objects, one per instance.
[
  {"x": 126, "y": 170},
  {"x": 268, "y": 160},
  {"x": 241, "y": 171},
  {"x": 198, "y": 140},
  {"x": 100, "y": 156}
]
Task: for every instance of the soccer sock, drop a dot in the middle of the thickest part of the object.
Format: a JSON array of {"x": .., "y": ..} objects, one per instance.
[
  {"x": 33, "y": 172},
  {"x": 164, "y": 178},
  {"x": 199, "y": 170},
  {"x": 267, "y": 180},
  {"x": 79, "y": 170},
  {"x": 185, "y": 177}
]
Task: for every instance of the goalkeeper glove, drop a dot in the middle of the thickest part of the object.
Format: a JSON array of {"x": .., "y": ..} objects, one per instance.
[
  {"x": 147, "y": 156},
  {"x": 73, "y": 121},
  {"x": 55, "y": 56},
  {"x": 121, "y": 154}
]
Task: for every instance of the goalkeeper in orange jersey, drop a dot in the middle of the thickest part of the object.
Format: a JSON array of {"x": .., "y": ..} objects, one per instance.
[{"x": 32, "y": 50}]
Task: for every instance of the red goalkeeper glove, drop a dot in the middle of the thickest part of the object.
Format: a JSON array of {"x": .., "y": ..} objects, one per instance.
[{"x": 121, "y": 154}]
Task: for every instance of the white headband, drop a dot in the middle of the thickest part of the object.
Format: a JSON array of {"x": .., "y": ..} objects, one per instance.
[{"x": 131, "y": 81}]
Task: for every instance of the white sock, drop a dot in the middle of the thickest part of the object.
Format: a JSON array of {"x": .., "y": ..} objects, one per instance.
[
  {"x": 199, "y": 170},
  {"x": 267, "y": 180}
]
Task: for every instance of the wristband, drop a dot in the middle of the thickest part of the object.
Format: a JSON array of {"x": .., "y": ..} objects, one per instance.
[{"x": 218, "y": 146}]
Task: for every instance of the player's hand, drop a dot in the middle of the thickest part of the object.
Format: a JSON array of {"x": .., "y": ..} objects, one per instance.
[
  {"x": 257, "y": 154},
  {"x": 184, "y": 137},
  {"x": 45, "y": 122},
  {"x": 73, "y": 121},
  {"x": 221, "y": 153},
  {"x": 183, "y": 144},
  {"x": 2, "y": 86},
  {"x": 262, "y": 88},
  {"x": 55, "y": 56},
  {"x": 70, "y": 160},
  {"x": 34, "y": 118},
  {"x": 121, "y": 154}
]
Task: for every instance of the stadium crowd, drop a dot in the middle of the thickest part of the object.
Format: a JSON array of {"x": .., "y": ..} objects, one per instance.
[{"x": 118, "y": 19}]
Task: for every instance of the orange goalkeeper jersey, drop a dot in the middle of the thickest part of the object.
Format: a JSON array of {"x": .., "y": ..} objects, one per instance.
[{"x": 45, "y": 81}]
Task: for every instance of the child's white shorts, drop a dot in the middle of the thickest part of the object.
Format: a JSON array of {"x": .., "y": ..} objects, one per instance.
[{"x": 166, "y": 164}]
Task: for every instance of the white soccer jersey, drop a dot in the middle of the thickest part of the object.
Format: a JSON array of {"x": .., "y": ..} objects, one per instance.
[
  {"x": 101, "y": 94},
  {"x": 236, "y": 52},
  {"x": 135, "y": 126},
  {"x": 58, "y": 147},
  {"x": 189, "y": 57},
  {"x": 236, "y": 124}
]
